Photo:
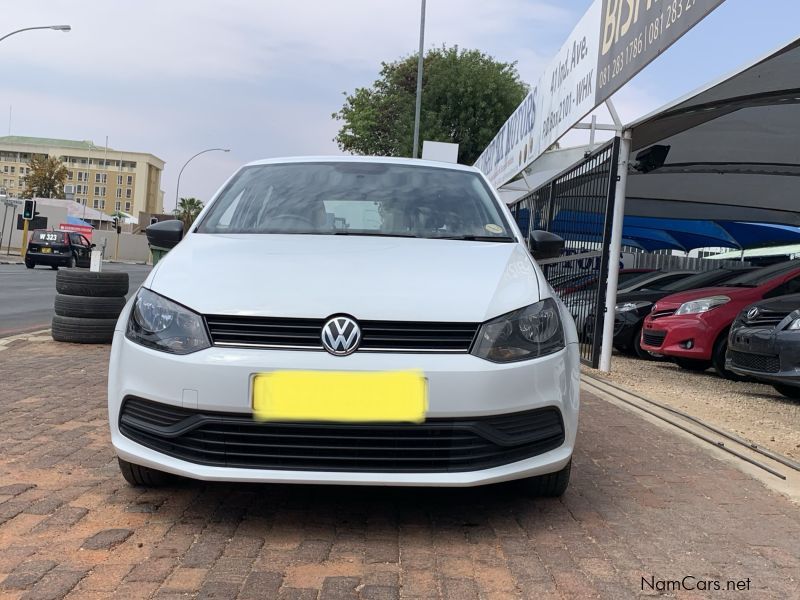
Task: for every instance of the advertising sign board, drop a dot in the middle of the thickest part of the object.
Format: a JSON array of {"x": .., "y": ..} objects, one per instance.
[
  {"x": 613, "y": 41},
  {"x": 85, "y": 230}
]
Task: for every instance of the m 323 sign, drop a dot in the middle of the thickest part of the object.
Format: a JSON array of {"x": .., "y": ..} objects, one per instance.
[
  {"x": 613, "y": 41},
  {"x": 635, "y": 32}
]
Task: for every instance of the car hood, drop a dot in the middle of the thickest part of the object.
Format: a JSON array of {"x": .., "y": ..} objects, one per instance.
[
  {"x": 642, "y": 295},
  {"x": 315, "y": 276},
  {"x": 782, "y": 304},
  {"x": 734, "y": 293}
]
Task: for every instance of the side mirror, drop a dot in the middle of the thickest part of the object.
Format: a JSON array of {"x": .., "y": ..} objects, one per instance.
[
  {"x": 93, "y": 245},
  {"x": 544, "y": 244},
  {"x": 165, "y": 234}
]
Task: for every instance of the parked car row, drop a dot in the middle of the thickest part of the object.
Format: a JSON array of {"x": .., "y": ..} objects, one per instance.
[{"x": 742, "y": 321}]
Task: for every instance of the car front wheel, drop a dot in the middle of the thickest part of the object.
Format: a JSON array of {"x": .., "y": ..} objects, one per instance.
[
  {"x": 551, "y": 485},
  {"x": 29, "y": 263},
  {"x": 140, "y": 476}
]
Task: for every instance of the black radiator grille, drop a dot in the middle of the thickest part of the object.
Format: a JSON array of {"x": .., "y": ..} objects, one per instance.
[
  {"x": 376, "y": 336},
  {"x": 767, "y": 318},
  {"x": 438, "y": 445}
]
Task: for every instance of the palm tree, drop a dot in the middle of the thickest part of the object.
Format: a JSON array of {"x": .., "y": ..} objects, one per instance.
[{"x": 187, "y": 210}]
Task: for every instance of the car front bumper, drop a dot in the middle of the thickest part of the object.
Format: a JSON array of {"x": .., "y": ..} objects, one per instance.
[
  {"x": 766, "y": 354},
  {"x": 684, "y": 336},
  {"x": 459, "y": 385}
]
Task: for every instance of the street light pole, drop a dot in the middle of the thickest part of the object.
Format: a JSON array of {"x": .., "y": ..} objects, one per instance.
[
  {"x": 419, "y": 79},
  {"x": 54, "y": 27},
  {"x": 178, "y": 186}
]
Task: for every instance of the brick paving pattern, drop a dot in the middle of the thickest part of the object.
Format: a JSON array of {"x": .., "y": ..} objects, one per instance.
[{"x": 643, "y": 503}]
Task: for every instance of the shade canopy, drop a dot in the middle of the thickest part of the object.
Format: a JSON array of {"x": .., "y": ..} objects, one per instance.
[
  {"x": 733, "y": 148},
  {"x": 77, "y": 221},
  {"x": 649, "y": 233}
]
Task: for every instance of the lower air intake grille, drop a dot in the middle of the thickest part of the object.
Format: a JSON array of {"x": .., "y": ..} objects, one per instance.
[
  {"x": 436, "y": 446},
  {"x": 653, "y": 338},
  {"x": 762, "y": 363}
]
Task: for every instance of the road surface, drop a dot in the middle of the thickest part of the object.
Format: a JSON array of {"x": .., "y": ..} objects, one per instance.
[{"x": 27, "y": 295}]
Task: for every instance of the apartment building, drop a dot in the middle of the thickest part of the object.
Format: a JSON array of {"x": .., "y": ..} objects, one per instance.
[{"x": 103, "y": 178}]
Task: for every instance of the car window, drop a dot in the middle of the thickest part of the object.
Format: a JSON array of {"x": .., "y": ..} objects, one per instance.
[
  {"x": 85, "y": 242},
  {"x": 75, "y": 239},
  {"x": 357, "y": 198},
  {"x": 52, "y": 237},
  {"x": 790, "y": 286}
]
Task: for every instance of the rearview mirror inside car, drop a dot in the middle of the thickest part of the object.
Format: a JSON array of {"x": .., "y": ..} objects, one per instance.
[
  {"x": 165, "y": 234},
  {"x": 544, "y": 244}
]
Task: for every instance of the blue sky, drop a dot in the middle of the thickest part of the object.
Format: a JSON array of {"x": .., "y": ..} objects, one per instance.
[{"x": 175, "y": 77}]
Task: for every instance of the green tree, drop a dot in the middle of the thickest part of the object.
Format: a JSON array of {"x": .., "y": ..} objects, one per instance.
[
  {"x": 187, "y": 210},
  {"x": 466, "y": 98},
  {"x": 46, "y": 179}
]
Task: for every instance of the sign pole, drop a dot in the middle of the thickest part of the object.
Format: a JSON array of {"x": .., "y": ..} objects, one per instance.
[
  {"x": 2, "y": 231},
  {"x": 420, "y": 62},
  {"x": 24, "y": 244},
  {"x": 11, "y": 232},
  {"x": 614, "y": 250}
]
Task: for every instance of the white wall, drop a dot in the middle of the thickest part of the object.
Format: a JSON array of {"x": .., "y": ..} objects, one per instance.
[{"x": 55, "y": 216}]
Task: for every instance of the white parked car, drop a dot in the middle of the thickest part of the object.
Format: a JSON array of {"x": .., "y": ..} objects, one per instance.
[{"x": 351, "y": 321}]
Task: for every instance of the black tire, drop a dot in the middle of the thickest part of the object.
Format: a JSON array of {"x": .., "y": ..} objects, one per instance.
[
  {"x": 693, "y": 364},
  {"x": 29, "y": 263},
  {"x": 89, "y": 306},
  {"x": 552, "y": 485},
  {"x": 87, "y": 283},
  {"x": 718, "y": 359},
  {"x": 79, "y": 330},
  {"x": 137, "y": 475},
  {"x": 637, "y": 347},
  {"x": 788, "y": 391}
]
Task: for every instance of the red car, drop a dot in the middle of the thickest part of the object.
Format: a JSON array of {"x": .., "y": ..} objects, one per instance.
[{"x": 692, "y": 327}]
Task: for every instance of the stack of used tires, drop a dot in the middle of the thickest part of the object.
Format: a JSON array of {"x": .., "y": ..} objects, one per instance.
[{"x": 88, "y": 305}]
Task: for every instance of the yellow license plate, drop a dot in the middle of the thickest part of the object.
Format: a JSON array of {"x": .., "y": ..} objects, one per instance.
[
  {"x": 46, "y": 250},
  {"x": 350, "y": 397}
]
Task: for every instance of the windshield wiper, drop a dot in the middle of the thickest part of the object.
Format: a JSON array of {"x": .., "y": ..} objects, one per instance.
[
  {"x": 402, "y": 235},
  {"x": 474, "y": 238}
]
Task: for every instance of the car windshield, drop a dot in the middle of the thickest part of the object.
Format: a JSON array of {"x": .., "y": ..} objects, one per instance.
[
  {"x": 698, "y": 281},
  {"x": 762, "y": 275},
  {"x": 357, "y": 198}
]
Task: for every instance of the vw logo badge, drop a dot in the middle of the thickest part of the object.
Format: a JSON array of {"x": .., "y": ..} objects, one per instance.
[
  {"x": 341, "y": 336},
  {"x": 752, "y": 313}
]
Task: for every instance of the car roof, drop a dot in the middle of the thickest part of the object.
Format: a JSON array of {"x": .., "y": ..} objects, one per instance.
[{"x": 415, "y": 162}]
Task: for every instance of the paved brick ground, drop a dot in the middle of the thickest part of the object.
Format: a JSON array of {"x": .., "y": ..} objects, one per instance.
[{"x": 643, "y": 503}]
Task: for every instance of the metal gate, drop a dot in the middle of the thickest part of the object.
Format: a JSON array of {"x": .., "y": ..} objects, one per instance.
[{"x": 578, "y": 205}]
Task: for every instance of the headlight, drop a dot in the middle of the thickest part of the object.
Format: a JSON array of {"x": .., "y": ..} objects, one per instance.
[
  {"x": 161, "y": 324},
  {"x": 522, "y": 334},
  {"x": 702, "y": 305},
  {"x": 629, "y": 306},
  {"x": 794, "y": 325}
]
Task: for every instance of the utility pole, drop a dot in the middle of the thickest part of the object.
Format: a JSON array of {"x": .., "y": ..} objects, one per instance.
[{"x": 420, "y": 61}]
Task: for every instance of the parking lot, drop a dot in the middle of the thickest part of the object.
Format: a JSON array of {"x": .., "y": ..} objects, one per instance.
[{"x": 645, "y": 508}]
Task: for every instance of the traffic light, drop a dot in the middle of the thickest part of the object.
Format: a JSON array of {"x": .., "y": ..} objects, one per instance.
[
  {"x": 117, "y": 226},
  {"x": 29, "y": 210}
]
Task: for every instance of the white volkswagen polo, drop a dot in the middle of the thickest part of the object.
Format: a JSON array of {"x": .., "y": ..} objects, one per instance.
[{"x": 345, "y": 320}]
